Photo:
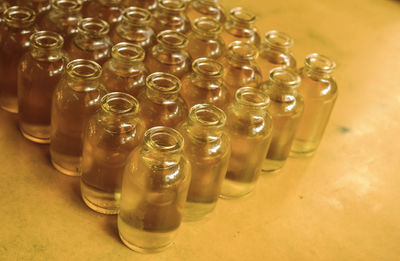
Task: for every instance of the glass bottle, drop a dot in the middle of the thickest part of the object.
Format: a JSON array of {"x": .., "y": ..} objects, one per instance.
[
  {"x": 154, "y": 191},
  {"x": 205, "y": 8},
  {"x": 107, "y": 10},
  {"x": 241, "y": 68},
  {"x": 91, "y": 42},
  {"x": 125, "y": 71},
  {"x": 110, "y": 136},
  {"x": 135, "y": 28},
  {"x": 76, "y": 99},
  {"x": 39, "y": 72},
  {"x": 319, "y": 91},
  {"x": 205, "y": 84},
  {"x": 161, "y": 104},
  {"x": 41, "y": 7},
  {"x": 249, "y": 126},
  {"x": 151, "y": 5},
  {"x": 208, "y": 149},
  {"x": 19, "y": 26},
  {"x": 205, "y": 39},
  {"x": 170, "y": 54},
  {"x": 240, "y": 27},
  {"x": 286, "y": 109},
  {"x": 170, "y": 15},
  {"x": 275, "y": 52}
]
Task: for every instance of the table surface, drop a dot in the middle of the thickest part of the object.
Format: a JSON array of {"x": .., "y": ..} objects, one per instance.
[{"x": 341, "y": 204}]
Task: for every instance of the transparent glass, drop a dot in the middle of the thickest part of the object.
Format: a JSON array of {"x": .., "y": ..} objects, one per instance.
[
  {"x": 240, "y": 27},
  {"x": 205, "y": 39},
  {"x": 76, "y": 99},
  {"x": 249, "y": 126},
  {"x": 208, "y": 149},
  {"x": 39, "y": 72},
  {"x": 148, "y": 4},
  {"x": 170, "y": 54},
  {"x": 286, "y": 109},
  {"x": 170, "y": 15},
  {"x": 205, "y": 84},
  {"x": 107, "y": 10},
  {"x": 319, "y": 91},
  {"x": 125, "y": 71},
  {"x": 111, "y": 135},
  {"x": 91, "y": 42},
  {"x": 241, "y": 68},
  {"x": 275, "y": 52},
  {"x": 161, "y": 103},
  {"x": 154, "y": 191},
  {"x": 135, "y": 28},
  {"x": 205, "y": 8},
  {"x": 18, "y": 27}
]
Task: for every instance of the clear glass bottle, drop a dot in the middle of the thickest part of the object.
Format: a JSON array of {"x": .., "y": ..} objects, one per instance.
[
  {"x": 275, "y": 52},
  {"x": 135, "y": 28},
  {"x": 205, "y": 84},
  {"x": 249, "y": 126},
  {"x": 125, "y": 71},
  {"x": 91, "y": 42},
  {"x": 19, "y": 26},
  {"x": 286, "y": 109},
  {"x": 170, "y": 54},
  {"x": 205, "y": 8},
  {"x": 76, "y": 98},
  {"x": 208, "y": 149},
  {"x": 241, "y": 68},
  {"x": 161, "y": 104},
  {"x": 39, "y": 72},
  {"x": 154, "y": 191},
  {"x": 319, "y": 91},
  {"x": 110, "y": 136},
  {"x": 205, "y": 39},
  {"x": 41, "y": 8},
  {"x": 240, "y": 27},
  {"x": 107, "y": 10},
  {"x": 151, "y": 5},
  {"x": 170, "y": 15}
]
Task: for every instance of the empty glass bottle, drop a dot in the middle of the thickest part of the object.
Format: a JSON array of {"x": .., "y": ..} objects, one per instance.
[
  {"x": 319, "y": 91},
  {"x": 76, "y": 99},
  {"x": 205, "y": 84},
  {"x": 39, "y": 72},
  {"x": 19, "y": 25},
  {"x": 250, "y": 127},
  {"x": 91, "y": 42},
  {"x": 275, "y": 52},
  {"x": 107, "y": 10},
  {"x": 125, "y": 71},
  {"x": 286, "y": 109},
  {"x": 154, "y": 191},
  {"x": 170, "y": 15},
  {"x": 205, "y": 39},
  {"x": 208, "y": 148},
  {"x": 41, "y": 7},
  {"x": 110, "y": 136},
  {"x": 205, "y": 8},
  {"x": 161, "y": 104},
  {"x": 170, "y": 54},
  {"x": 148, "y": 4}
]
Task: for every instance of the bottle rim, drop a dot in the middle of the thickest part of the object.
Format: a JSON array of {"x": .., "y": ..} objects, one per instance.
[
  {"x": 252, "y": 97},
  {"x": 128, "y": 52},
  {"x": 242, "y": 16},
  {"x": 172, "y": 39},
  {"x": 242, "y": 50},
  {"x": 93, "y": 27},
  {"x": 320, "y": 63},
  {"x": 163, "y": 82},
  {"x": 136, "y": 15},
  {"x": 279, "y": 40},
  {"x": 284, "y": 77},
  {"x": 207, "y": 27},
  {"x": 119, "y": 103},
  {"x": 164, "y": 139},
  {"x": 84, "y": 69},
  {"x": 172, "y": 5},
  {"x": 46, "y": 40},
  {"x": 19, "y": 16},
  {"x": 208, "y": 67},
  {"x": 207, "y": 115},
  {"x": 67, "y": 6}
]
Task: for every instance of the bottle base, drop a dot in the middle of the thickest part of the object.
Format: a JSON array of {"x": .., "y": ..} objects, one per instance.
[
  {"x": 195, "y": 211},
  {"x": 303, "y": 148},
  {"x": 270, "y": 166},
  {"x": 9, "y": 109},
  {"x": 233, "y": 189},
  {"x": 71, "y": 171},
  {"x": 99, "y": 201},
  {"x": 35, "y": 139},
  {"x": 301, "y": 154}
]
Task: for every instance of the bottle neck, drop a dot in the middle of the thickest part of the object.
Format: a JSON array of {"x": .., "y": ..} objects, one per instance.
[
  {"x": 135, "y": 17},
  {"x": 162, "y": 88},
  {"x": 83, "y": 75},
  {"x": 241, "y": 19},
  {"x": 318, "y": 66},
  {"x": 206, "y": 28},
  {"x": 46, "y": 46},
  {"x": 207, "y": 73},
  {"x": 250, "y": 103},
  {"x": 282, "y": 85}
]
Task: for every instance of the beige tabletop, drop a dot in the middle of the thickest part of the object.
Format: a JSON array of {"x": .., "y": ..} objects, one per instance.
[{"x": 341, "y": 204}]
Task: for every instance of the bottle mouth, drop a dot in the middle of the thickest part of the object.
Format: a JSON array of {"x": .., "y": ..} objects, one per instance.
[
  {"x": 252, "y": 98},
  {"x": 136, "y": 15},
  {"x": 242, "y": 16},
  {"x": 208, "y": 67},
  {"x": 119, "y": 103},
  {"x": 283, "y": 77},
  {"x": 207, "y": 115},
  {"x": 242, "y": 50},
  {"x": 278, "y": 40},
  {"x": 93, "y": 27},
  {"x": 128, "y": 52},
  {"x": 207, "y": 26},
  {"x": 67, "y": 6},
  {"x": 320, "y": 63},
  {"x": 47, "y": 40},
  {"x": 84, "y": 69},
  {"x": 164, "y": 139},
  {"x": 172, "y": 39},
  {"x": 163, "y": 82},
  {"x": 172, "y": 5},
  {"x": 18, "y": 16}
]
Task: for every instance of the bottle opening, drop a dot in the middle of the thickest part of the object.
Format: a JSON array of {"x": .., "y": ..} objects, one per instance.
[
  {"x": 163, "y": 82},
  {"x": 93, "y": 27},
  {"x": 164, "y": 139},
  {"x": 208, "y": 67},
  {"x": 119, "y": 103},
  {"x": 136, "y": 15},
  {"x": 84, "y": 69},
  {"x": 172, "y": 39},
  {"x": 172, "y": 5},
  {"x": 284, "y": 77},
  {"x": 18, "y": 16},
  {"x": 242, "y": 50},
  {"x": 128, "y": 52},
  {"x": 67, "y": 6},
  {"x": 252, "y": 97},
  {"x": 320, "y": 63},
  {"x": 207, "y": 115},
  {"x": 241, "y": 15},
  {"x": 278, "y": 40},
  {"x": 47, "y": 39},
  {"x": 207, "y": 26}
]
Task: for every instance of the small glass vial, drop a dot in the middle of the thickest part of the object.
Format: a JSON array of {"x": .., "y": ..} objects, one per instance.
[
  {"x": 208, "y": 148},
  {"x": 135, "y": 28},
  {"x": 18, "y": 27},
  {"x": 205, "y": 84},
  {"x": 205, "y": 39},
  {"x": 154, "y": 191},
  {"x": 39, "y": 72},
  {"x": 275, "y": 52},
  {"x": 76, "y": 99},
  {"x": 319, "y": 91},
  {"x": 170, "y": 54},
  {"x": 151, "y": 5},
  {"x": 161, "y": 104},
  {"x": 241, "y": 68},
  {"x": 205, "y": 8},
  {"x": 110, "y": 136},
  {"x": 250, "y": 127},
  {"x": 91, "y": 42},
  {"x": 170, "y": 15},
  {"x": 125, "y": 71},
  {"x": 286, "y": 109},
  {"x": 41, "y": 8},
  {"x": 240, "y": 27},
  {"x": 107, "y": 10}
]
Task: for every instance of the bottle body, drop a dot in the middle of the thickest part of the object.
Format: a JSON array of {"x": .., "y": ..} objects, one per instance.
[
  {"x": 170, "y": 15},
  {"x": 205, "y": 8}
]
